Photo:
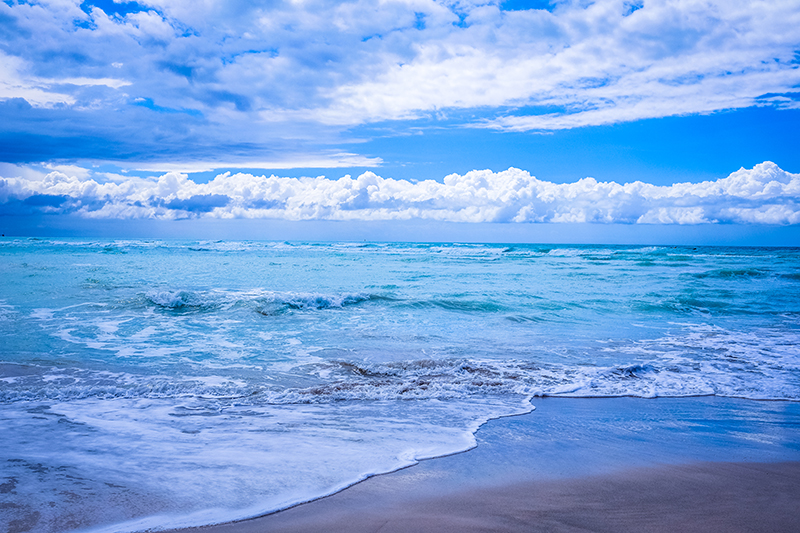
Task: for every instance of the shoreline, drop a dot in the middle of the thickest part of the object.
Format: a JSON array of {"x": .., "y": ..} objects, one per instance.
[{"x": 573, "y": 464}]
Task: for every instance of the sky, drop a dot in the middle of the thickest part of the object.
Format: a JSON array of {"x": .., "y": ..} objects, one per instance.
[{"x": 563, "y": 120}]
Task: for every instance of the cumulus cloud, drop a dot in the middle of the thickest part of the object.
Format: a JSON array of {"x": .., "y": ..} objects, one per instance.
[
  {"x": 764, "y": 194},
  {"x": 247, "y": 73}
]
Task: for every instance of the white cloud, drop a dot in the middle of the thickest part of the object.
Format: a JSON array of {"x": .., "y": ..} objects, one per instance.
[
  {"x": 14, "y": 84},
  {"x": 336, "y": 160},
  {"x": 764, "y": 194},
  {"x": 87, "y": 82},
  {"x": 10, "y": 170},
  {"x": 597, "y": 65},
  {"x": 359, "y": 61},
  {"x": 72, "y": 170}
]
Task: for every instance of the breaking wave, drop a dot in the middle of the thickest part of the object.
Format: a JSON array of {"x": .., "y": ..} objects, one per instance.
[
  {"x": 264, "y": 302},
  {"x": 738, "y": 366}
]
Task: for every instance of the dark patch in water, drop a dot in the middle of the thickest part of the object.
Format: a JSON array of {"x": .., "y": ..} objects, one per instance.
[
  {"x": 725, "y": 273},
  {"x": 8, "y": 486},
  {"x": 467, "y": 306},
  {"x": 632, "y": 372},
  {"x": 311, "y": 303},
  {"x": 361, "y": 371},
  {"x": 112, "y": 250},
  {"x": 26, "y": 522},
  {"x": 521, "y": 319}
]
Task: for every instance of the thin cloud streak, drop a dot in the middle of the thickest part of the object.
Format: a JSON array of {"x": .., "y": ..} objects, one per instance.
[
  {"x": 764, "y": 194},
  {"x": 342, "y": 160}
]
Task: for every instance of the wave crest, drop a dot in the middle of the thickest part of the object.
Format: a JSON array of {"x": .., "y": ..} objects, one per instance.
[
  {"x": 278, "y": 303},
  {"x": 177, "y": 300},
  {"x": 267, "y": 303}
]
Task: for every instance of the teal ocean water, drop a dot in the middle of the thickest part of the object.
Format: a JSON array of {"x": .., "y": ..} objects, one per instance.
[{"x": 154, "y": 384}]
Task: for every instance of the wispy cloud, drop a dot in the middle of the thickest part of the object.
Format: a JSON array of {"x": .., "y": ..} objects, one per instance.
[
  {"x": 322, "y": 160},
  {"x": 764, "y": 194},
  {"x": 165, "y": 77},
  {"x": 599, "y": 64}
]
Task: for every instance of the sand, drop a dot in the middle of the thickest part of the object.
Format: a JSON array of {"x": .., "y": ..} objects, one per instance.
[
  {"x": 616, "y": 465},
  {"x": 705, "y": 497}
]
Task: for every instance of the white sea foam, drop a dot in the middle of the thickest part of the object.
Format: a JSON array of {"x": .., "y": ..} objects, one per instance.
[
  {"x": 5, "y": 310},
  {"x": 253, "y": 460}
]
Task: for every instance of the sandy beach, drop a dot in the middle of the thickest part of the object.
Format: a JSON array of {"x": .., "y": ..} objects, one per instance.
[
  {"x": 696, "y": 497},
  {"x": 622, "y": 464}
]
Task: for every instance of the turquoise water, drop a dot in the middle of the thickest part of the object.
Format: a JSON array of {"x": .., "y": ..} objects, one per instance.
[{"x": 158, "y": 383}]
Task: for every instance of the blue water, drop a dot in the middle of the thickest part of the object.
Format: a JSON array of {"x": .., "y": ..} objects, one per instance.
[{"x": 154, "y": 384}]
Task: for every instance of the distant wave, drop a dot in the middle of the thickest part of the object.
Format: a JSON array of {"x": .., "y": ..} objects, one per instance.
[
  {"x": 272, "y": 303},
  {"x": 267, "y": 303},
  {"x": 723, "y": 273},
  {"x": 422, "y": 251},
  {"x": 531, "y": 308},
  {"x": 278, "y": 303}
]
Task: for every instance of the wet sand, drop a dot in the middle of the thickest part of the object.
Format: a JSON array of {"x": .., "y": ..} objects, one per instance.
[
  {"x": 615, "y": 465},
  {"x": 707, "y": 497}
]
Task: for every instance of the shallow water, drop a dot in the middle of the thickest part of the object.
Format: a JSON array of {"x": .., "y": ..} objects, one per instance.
[{"x": 159, "y": 383}]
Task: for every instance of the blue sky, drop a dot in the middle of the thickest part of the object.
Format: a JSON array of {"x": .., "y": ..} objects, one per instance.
[{"x": 133, "y": 112}]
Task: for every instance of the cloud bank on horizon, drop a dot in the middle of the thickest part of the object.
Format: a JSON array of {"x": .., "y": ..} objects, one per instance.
[
  {"x": 267, "y": 81},
  {"x": 764, "y": 194}
]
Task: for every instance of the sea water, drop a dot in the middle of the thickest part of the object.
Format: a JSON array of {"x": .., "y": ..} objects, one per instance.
[{"x": 157, "y": 384}]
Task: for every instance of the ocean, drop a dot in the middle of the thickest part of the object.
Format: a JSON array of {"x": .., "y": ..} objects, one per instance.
[{"x": 151, "y": 384}]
